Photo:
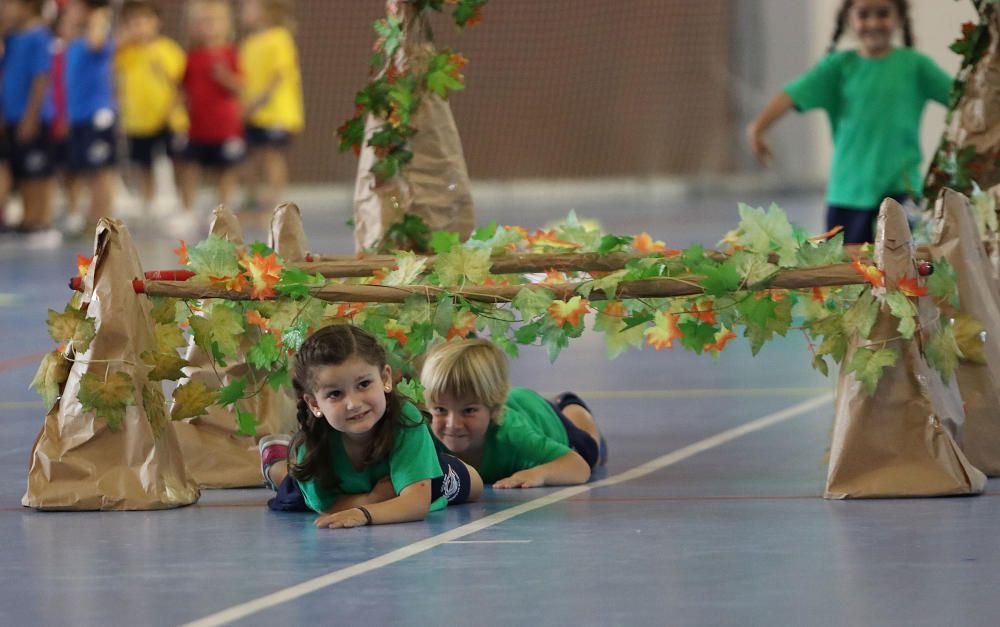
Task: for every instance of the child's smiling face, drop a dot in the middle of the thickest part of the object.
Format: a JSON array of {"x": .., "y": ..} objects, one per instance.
[
  {"x": 460, "y": 423},
  {"x": 874, "y": 22},
  {"x": 350, "y": 395}
]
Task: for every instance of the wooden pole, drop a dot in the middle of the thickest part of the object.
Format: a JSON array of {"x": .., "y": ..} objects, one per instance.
[{"x": 824, "y": 276}]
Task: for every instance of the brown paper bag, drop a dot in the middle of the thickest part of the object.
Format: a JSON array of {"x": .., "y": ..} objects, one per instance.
[
  {"x": 434, "y": 186},
  {"x": 215, "y": 453},
  {"x": 900, "y": 442},
  {"x": 77, "y": 462},
  {"x": 956, "y": 239},
  {"x": 286, "y": 235}
]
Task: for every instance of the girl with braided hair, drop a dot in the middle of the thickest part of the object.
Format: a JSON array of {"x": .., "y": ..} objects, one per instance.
[
  {"x": 874, "y": 97},
  {"x": 363, "y": 455}
]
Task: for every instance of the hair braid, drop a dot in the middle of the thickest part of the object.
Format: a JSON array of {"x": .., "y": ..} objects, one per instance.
[
  {"x": 838, "y": 29},
  {"x": 903, "y": 8}
]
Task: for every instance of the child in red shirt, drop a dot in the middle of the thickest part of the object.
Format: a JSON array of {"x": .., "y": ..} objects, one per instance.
[{"x": 211, "y": 86}]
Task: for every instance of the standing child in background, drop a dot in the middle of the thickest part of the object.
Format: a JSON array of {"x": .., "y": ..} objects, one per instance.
[
  {"x": 149, "y": 68},
  {"x": 212, "y": 85},
  {"x": 514, "y": 437},
  {"x": 73, "y": 221},
  {"x": 27, "y": 114},
  {"x": 874, "y": 97},
  {"x": 90, "y": 103},
  {"x": 363, "y": 455},
  {"x": 272, "y": 96}
]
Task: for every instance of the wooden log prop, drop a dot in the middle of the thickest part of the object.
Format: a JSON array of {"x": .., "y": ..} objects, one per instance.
[
  {"x": 128, "y": 458},
  {"x": 976, "y": 324},
  {"x": 901, "y": 440},
  {"x": 434, "y": 186}
]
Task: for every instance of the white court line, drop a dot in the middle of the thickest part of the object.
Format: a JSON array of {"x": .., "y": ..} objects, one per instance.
[
  {"x": 323, "y": 581},
  {"x": 488, "y": 542}
]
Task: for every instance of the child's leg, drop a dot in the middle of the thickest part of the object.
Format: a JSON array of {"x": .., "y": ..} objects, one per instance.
[
  {"x": 228, "y": 182},
  {"x": 581, "y": 428},
  {"x": 460, "y": 483},
  {"x": 275, "y": 174},
  {"x": 102, "y": 189},
  {"x": 36, "y": 194},
  {"x": 189, "y": 178}
]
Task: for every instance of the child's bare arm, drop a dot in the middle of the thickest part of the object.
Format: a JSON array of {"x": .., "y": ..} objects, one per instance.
[
  {"x": 98, "y": 28},
  {"x": 412, "y": 504},
  {"x": 569, "y": 469},
  {"x": 265, "y": 96},
  {"x": 771, "y": 113},
  {"x": 29, "y": 125},
  {"x": 226, "y": 77}
]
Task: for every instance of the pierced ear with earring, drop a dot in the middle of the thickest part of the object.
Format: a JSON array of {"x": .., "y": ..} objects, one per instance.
[{"x": 388, "y": 387}]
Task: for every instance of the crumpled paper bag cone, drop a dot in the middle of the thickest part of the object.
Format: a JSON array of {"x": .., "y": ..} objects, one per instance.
[
  {"x": 434, "y": 185},
  {"x": 901, "y": 441},
  {"x": 215, "y": 453},
  {"x": 77, "y": 462},
  {"x": 286, "y": 235},
  {"x": 956, "y": 239}
]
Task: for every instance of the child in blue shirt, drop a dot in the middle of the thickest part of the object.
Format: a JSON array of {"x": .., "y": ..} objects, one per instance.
[
  {"x": 90, "y": 104},
  {"x": 28, "y": 111}
]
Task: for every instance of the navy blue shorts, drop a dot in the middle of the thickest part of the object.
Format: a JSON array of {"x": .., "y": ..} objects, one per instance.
[
  {"x": 222, "y": 155},
  {"x": 31, "y": 159},
  {"x": 258, "y": 136},
  {"x": 142, "y": 149},
  {"x": 454, "y": 485},
  {"x": 579, "y": 440},
  {"x": 859, "y": 224},
  {"x": 92, "y": 146}
]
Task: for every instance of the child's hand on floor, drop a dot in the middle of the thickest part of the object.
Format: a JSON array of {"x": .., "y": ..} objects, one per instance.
[
  {"x": 342, "y": 520},
  {"x": 530, "y": 478}
]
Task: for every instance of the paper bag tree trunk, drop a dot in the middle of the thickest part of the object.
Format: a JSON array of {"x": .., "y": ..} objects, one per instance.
[
  {"x": 78, "y": 462},
  {"x": 956, "y": 239},
  {"x": 434, "y": 185},
  {"x": 286, "y": 235},
  {"x": 215, "y": 453},
  {"x": 901, "y": 441}
]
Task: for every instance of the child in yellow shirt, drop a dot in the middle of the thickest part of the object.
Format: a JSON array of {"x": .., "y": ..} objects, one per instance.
[
  {"x": 272, "y": 95},
  {"x": 149, "y": 68}
]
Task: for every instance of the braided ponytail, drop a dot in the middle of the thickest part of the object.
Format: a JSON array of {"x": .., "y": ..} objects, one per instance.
[
  {"x": 903, "y": 8},
  {"x": 838, "y": 29}
]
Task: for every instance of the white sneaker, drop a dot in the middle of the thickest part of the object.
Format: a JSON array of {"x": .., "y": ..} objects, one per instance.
[
  {"x": 45, "y": 239},
  {"x": 74, "y": 224},
  {"x": 182, "y": 225}
]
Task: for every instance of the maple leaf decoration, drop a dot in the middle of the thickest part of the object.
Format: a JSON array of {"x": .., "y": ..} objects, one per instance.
[
  {"x": 703, "y": 311},
  {"x": 911, "y": 287},
  {"x": 568, "y": 311},
  {"x": 614, "y": 308},
  {"x": 263, "y": 274},
  {"x": 663, "y": 332},
  {"x": 349, "y": 310},
  {"x": 82, "y": 265},
  {"x": 870, "y": 274},
  {"x": 254, "y": 317},
  {"x": 548, "y": 239},
  {"x": 232, "y": 283},
  {"x": 464, "y": 324},
  {"x": 644, "y": 243},
  {"x": 182, "y": 253},
  {"x": 397, "y": 331},
  {"x": 818, "y": 294},
  {"x": 721, "y": 338},
  {"x": 554, "y": 276}
]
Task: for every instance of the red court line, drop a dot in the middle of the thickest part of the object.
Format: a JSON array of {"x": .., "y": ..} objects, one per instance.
[{"x": 23, "y": 360}]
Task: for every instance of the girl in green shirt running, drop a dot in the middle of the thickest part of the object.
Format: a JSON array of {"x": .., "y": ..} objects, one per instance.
[
  {"x": 874, "y": 97},
  {"x": 362, "y": 455},
  {"x": 515, "y": 438}
]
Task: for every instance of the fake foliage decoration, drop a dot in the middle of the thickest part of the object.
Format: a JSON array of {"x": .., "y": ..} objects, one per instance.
[
  {"x": 735, "y": 300},
  {"x": 393, "y": 92}
]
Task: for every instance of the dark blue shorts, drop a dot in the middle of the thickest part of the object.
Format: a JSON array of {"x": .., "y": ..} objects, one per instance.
[
  {"x": 258, "y": 136},
  {"x": 859, "y": 224},
  {"x": 31, "y": 159},
  {"x": 220, "y": 155},
  {"x": 142, "y": 150},
  {"x": 92, "y": 146},
  {"x": 579, "y": 440},
  {"x": 454, "y": 485}
]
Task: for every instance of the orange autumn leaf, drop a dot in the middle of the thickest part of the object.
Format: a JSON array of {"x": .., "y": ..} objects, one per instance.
[
  {"x": 568, "y": 311},
  {"x": 477, "y": 17},
  {"x": 663, "y": 332},
  {"x": 703, "y": 311},
  {"x": 263, "y": 273},
  {"x": 827, "y": 235},
  {"x": 818, "y": 294},
  {"x": 721, "y": 338},
  {"x": 464, "y": 324},
  {"x": 231, "y": 283},
  {"x": 377, "y": 276},
  {"x": 911, "y": 287},
  {"x": 82, "y": 265},
  {"x": 644, "y": 243},
  {"x": 870, "y": 274},
  {"x": 397, "y": 331},
  {"x": 182, "y": 253},
  {"x": 548, "y": 239},
  {"x": 349, "y": 310},
  {"x": 490, "y": 281},
  {"x": 254, "y": 317},
  {"x": 554, "y": 276},
  {"x": 614, "y": 308}
]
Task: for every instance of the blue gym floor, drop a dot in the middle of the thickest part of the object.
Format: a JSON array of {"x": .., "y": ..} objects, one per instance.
[{"x": 709, "y": 512}]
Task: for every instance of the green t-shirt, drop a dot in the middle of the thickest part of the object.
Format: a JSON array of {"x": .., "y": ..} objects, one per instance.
[
  {"x": 413, "y": 459},
  {"x": 530, "y": 434},
  {"x": 874, "y": 107}
]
